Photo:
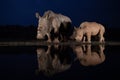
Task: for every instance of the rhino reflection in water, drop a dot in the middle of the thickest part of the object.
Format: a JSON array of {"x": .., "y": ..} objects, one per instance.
[
  {"x": 90, "y": 56},
  {"x": 53, "y": 60},
  {"x": 50, "y": 21}
]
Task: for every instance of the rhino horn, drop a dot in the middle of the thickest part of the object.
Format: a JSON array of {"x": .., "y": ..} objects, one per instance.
[{"x": 75, "y": 28}]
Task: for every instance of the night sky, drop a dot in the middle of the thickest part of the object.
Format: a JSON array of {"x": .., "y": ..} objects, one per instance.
[{"x": 22, "y": 12}]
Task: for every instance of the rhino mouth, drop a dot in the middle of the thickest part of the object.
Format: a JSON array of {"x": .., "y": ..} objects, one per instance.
[
  {"x": 78, "y": 39},
  {"x": 40, "y": 36}
]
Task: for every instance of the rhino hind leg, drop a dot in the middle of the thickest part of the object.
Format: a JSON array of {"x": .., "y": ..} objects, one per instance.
[{"x": 101, "y": 37}]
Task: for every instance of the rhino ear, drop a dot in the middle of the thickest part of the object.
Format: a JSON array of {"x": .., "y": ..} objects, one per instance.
[
  {"x": 47, "y": 17},
  {"x": 37, "y": 15},
  {"x": 75, "y": 28}
]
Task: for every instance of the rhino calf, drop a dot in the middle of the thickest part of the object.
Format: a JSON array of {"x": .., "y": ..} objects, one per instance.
[{"x": 89, "y": 29}]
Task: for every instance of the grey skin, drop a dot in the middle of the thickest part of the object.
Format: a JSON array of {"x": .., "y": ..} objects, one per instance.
[{"x": 48, "y": 22}]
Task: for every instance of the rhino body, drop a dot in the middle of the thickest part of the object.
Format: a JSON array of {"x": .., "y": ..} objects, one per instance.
[
  {"x": 53, "y": 23},
  {"x": 88, "y": 29}
]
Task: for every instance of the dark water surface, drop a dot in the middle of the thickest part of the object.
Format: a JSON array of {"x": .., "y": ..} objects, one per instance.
[{"x": 60, "y": 62}]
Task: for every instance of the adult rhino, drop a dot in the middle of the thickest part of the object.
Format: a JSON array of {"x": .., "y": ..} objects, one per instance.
[{"x": 51, "y": 21}]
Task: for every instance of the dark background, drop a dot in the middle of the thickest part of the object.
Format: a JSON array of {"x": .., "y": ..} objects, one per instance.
[
  {"x": 22, "y": 12},
  {"x": 17, "y": 17}
]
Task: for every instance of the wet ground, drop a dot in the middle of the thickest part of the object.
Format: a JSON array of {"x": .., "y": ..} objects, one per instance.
[{"x": 30, "y": 60}]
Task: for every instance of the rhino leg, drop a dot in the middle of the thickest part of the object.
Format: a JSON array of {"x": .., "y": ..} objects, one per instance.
[
  {"x": 49, "y": 39},
  {"x": 84, "y": 38},
  {"x": 101, "y": 37},
  {"x": 89, "y": 37}
]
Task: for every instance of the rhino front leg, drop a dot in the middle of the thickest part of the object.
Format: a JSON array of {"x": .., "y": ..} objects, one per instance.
[
  {"x": 84, "y": 38},
  {"x": 49, "y": 39},
  {"x": 56, "y": 24},
  {"x": 89, "y": 37}
]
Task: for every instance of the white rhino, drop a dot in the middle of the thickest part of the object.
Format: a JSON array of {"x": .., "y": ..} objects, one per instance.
[
  {"x": 50, "y": 21},
  {"x": 88, "y": 29}
]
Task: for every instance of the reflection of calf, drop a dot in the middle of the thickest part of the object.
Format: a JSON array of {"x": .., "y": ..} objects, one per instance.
[
  {"x": 88, "y": 57},
  {"x": 53, "y": 60}
]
